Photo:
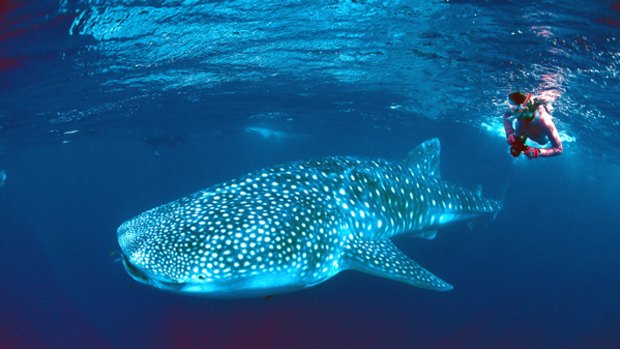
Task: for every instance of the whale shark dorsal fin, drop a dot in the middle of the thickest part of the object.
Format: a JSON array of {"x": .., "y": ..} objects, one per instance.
[
  {"x": 425, "y": 157},
  {"x": 382, "y": 258}
]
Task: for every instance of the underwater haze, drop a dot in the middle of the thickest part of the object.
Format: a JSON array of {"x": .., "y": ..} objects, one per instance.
[{"x": 111, "y": 108}]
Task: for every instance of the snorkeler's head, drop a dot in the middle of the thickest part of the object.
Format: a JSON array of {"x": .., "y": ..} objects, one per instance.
[
  {"x": 520, "y": 105},
  {"x": 519, "y": 98}
]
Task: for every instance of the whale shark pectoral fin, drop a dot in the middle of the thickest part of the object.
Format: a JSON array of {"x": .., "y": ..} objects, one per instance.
[
  {"x": 425, "y": 157},
  {"x": 382, "y": 258}
]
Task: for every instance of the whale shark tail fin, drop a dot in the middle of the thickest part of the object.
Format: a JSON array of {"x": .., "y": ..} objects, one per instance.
[
  {"x": 425, "y": 157},
  {"x": 382, "y": 258},
  {"x": 502, "y": 198}
]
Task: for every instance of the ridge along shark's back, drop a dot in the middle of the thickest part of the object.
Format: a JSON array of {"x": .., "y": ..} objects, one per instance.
[{"x": 295, "y": 225}]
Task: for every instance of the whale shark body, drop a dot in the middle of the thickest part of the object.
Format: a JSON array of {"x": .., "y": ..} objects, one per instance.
[{"x": 293, "y": 226}]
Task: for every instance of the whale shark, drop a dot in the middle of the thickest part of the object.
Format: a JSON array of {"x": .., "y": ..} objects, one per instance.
[{"x": 292, "y": 226}]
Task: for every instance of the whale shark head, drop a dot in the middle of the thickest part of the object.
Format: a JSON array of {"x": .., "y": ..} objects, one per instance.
[
  {"x": 167, "y": 247},
  {"x": 145, "y": 249},
  {"x": 228, "y": 241}
]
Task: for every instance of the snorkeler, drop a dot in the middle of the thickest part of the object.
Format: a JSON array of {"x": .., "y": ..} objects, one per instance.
[{"x": 528, "y": 117}]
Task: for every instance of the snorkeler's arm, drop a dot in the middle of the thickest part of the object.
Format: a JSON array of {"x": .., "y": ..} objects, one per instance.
[
  {"x": 508, "y": 128},
  {"x": 508, "y": 123},
  {"x": 554, "y": 138}
]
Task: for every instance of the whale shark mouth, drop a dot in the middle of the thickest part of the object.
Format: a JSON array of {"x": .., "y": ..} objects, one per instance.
[
  {"x": 141, "y": 276},
  {"x": 134, "y": 271}
]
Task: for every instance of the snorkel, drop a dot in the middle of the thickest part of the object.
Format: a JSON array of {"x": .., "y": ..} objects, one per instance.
[{"x": 521, "y": 106}]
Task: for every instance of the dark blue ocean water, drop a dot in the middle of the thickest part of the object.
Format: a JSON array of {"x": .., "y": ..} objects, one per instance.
[{"x": 109, "y": 108}]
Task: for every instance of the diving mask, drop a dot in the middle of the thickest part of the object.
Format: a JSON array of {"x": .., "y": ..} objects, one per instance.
[{"x": 524, "y": 110}]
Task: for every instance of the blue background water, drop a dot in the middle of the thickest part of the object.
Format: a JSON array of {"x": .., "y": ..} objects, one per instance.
[{"x": 109, "y": 108}]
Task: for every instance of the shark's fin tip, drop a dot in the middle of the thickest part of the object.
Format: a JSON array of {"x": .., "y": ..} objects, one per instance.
[
  {"x": 382, "y": 258},
  {"x": 479, "y": 190},
  {"x": 425, "y": 157}
]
